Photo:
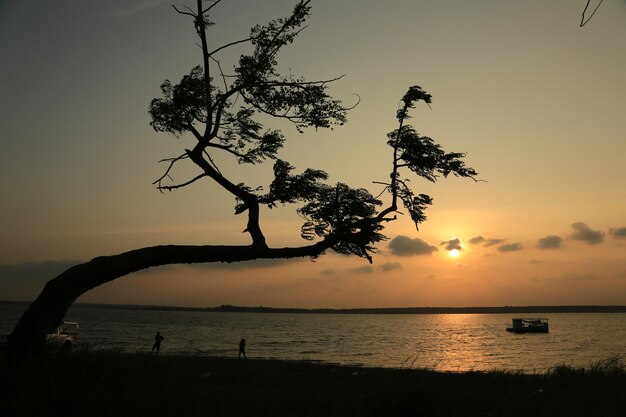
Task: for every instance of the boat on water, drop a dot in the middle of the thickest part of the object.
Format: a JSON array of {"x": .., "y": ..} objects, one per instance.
[{"x": 528, "y": 325}]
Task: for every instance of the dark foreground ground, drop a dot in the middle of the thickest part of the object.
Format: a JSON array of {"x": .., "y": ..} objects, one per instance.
[{"x": 108, "y": 384}]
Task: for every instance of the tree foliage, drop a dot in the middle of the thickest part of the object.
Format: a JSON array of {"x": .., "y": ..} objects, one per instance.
[{"x": 231, "y": 119}]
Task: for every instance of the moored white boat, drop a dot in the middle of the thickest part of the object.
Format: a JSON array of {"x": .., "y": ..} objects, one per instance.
[{"x": 528, "y": 325}]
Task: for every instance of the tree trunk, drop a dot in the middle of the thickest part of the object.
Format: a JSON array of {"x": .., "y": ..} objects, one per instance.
[{"x": 48, "y": 310}]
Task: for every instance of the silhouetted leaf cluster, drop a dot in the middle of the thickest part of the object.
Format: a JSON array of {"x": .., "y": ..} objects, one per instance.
[
  {"x": 340, "y": 211},
  {"x": 422, "y": 156},
  {"x": 413, "y": 95},
  {"x": 302, "y": 102},
  {"x": 287, "y": 188},
  {"x": 182, "y": 104},
  {"x": 344, "y": 212},
  {"x": 415, "y": 204},
  {"x": 242, "y": 135}
]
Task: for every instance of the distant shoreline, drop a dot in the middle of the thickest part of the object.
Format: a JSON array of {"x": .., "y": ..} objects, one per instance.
[
  {"x": 405, "y": 310},
  {"x": 518, "y": 310}
]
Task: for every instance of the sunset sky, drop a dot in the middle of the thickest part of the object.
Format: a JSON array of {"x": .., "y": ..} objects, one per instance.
[{"x": 536, "y": 102}]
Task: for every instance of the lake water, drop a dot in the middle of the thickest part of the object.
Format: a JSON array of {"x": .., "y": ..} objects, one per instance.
[{"x": 447, "y": 342}]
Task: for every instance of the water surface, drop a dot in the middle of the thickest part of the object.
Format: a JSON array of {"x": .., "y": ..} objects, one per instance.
[{"x": 449, "y": 342}]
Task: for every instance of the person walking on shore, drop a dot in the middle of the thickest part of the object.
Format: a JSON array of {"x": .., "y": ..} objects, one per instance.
[
  {"x": 157, "y": 342},
  {"x": 242, "y": 348}
]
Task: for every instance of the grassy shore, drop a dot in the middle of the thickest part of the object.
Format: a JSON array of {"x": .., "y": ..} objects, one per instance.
[{"x": 110, "y": 384}]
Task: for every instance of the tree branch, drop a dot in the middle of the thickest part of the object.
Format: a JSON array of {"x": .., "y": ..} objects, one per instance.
[
  {"x": 256, "y": 105},
  {"x": 211, "y": 161},
  {"x": 583, "y": 22},
  {"x": 394, "y": 172},
  {"x": 220, "y": 105},
  {"x": 268, "y": 53},
  {"x": 190, "y": 13},
  {"x": 221, "y": 102},
  {"x": 174, "y": 187},
  {"x": 250, "y": 200},
  {"x": 229, "y": 45},
  {"x": 219, "y": 67},
  {"x": 298, "y": 84},
  {"x": 215, "y": 3},
  {"x": 48, "y": 310},
  {"x": 172, "y": 161},
  {"x": 201, "y": 30},
  {"x": 228, "y": 149},
  {"x": 195, "y": 132}
]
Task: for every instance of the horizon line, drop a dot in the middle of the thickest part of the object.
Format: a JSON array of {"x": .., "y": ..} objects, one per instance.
[{"x": 573, "y": 308}]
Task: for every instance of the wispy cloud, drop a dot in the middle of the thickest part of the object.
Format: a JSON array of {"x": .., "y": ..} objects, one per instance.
[
  {"x": 366, "y": 269},
  {"x": 493, "y": 242},
  {"x": 390, "y": 266},
  {"x": 510, "y": 247},
  {"x": 486, "y": 242},
  {"x": 405, "y": 246},
  {"x": 549, "y": 242},
  {"x": 476, "y": 240},
  {"x": 618, "y": 232},
  {"x": 584, "y": 233}
]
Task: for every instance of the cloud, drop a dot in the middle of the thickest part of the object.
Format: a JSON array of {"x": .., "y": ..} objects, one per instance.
[
  {"x": 493, "y": 242},
  {"x": 486, "y": 242},
  {"x": 405, "y": 246},
  {"x": 585, "y": 234},
  {"x": 510, "y": 247},
  {"x": 362, "y": 270},
  {"x": 452, "y": 244},
  {"x": 476, "y": 240},
  {"x": 619, "y": 232},
  {"x": 390, "y": 266},
  {"x": 549, "y": 242}
]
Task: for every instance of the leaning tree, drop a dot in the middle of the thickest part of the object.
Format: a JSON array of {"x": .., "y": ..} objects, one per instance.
[{"x": 224, "y": 111}]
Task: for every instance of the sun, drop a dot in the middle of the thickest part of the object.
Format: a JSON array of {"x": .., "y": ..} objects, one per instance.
[{"x": 454, "y": 253}]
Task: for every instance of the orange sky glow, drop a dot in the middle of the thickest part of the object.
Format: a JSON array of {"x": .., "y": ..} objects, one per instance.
[{"x": 536, "y": 102}]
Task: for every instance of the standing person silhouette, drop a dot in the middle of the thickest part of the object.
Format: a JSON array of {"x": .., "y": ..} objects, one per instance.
[
  {"x": 242, "y": 348},
  {"x": 157, "y": 342}
]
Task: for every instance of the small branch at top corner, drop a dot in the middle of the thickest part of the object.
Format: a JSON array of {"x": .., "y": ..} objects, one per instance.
[{"x": 189, "y": 13}]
